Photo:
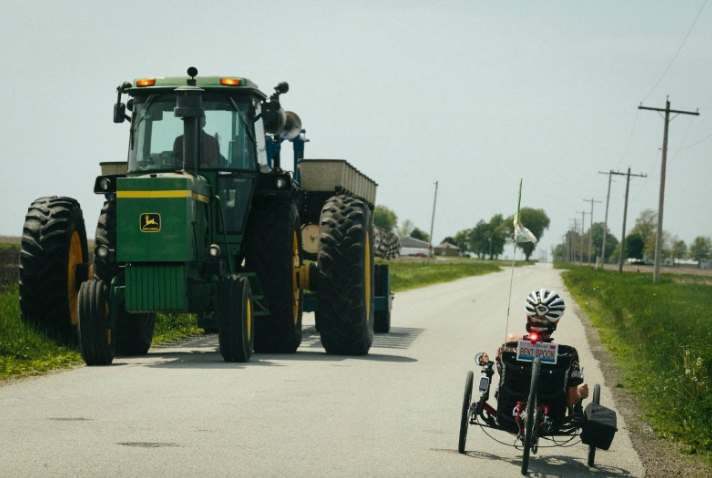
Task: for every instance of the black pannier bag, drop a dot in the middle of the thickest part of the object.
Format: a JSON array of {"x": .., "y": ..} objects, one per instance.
[{"x": 600, "y": 426}]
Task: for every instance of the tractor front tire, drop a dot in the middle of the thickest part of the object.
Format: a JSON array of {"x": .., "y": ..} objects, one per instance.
[
  {"x": 54, "y": 260},
  {"x": 95, "y": 336},
  {"x": 345, "y": 282},
  {"x": 273, "y": 251},
  {"x": 236, "y": 335}
]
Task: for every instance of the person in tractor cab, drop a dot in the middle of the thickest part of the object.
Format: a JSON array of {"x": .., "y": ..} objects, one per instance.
[
  {"x": 544, "y": 309},
  {"x": 209, "y": 148}
]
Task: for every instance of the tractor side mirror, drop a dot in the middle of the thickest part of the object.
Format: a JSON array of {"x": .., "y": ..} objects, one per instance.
[
  {"x": 120, "y": 108},
  {"x": 119, "y": 113}
]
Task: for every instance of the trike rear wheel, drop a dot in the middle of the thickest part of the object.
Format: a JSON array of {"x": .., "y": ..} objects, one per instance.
[
  {"x": 530, "y": 422},
  {"x": 597, "y": 401}
]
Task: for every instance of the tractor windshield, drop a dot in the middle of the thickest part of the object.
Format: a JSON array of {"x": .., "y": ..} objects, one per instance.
[{"x": 227, "y": 140}]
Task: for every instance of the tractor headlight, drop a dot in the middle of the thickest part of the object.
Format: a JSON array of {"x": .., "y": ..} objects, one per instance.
[
  {"x": 102, "y": 251},
  {"x": 281, "y": 183},
  {"x": 214, "y": 251}
]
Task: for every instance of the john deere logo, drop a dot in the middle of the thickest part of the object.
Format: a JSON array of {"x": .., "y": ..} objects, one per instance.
[{"x": 150, "y": 222}]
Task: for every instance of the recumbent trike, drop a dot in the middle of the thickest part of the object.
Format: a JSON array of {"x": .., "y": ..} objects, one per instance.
[{"x": 531, "y": 402}]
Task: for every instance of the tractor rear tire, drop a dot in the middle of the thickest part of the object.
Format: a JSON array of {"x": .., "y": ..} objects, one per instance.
[
  {"x": 237, "y": 333},
  {"x": 345, "y": 282},
  {"x": 54, "y": 260},
  {"x": 273, "y": 251},
  {"x": 95, "y": 336},
  {"x": 133, "y": 333}
]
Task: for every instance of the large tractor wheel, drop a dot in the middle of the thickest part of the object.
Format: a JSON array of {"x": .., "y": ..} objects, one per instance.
[
  {"x": 273, "y": 251},
  {"x": 236, "y": 334},
  {"x": 345, "y": 280},
  {"x": 95, "y": 338},
  {"x": 54, "y": 261},
  {"x": 133, "y": 333}
]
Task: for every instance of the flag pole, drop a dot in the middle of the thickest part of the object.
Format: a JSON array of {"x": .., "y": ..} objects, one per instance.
[{"x": 514, "y": 255}]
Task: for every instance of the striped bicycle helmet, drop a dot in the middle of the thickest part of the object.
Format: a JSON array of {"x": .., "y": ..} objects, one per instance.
[{"x": 544, "y": 309}]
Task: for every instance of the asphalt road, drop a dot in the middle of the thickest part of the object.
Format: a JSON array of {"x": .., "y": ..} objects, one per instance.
[{"x": 181, "y": 411}]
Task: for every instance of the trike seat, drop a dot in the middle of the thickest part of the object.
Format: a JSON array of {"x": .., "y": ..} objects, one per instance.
[{"x": 515, "y": 381}]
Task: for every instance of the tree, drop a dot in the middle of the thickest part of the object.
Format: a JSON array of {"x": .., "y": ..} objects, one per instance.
[
  {"x": 634, "y": 246},
  {"x": 679, "y": 249},
  {"x": 420, "y": 235},
  {"x": 701, "y": 249},
  {"x": 479, "y": 239},
  {"x": 597, "y": 239},
  {"x": 498, "y": 235},
  {"x": 462, "y": 240},
  {"x": 536, "y": 221},
  {"x": 406, "y": 228},
  {"x": 646, "y": 225},
  {"x": 385, "y": 218}
]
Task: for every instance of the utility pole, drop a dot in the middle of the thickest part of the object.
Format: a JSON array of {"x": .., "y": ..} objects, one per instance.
[
  {"x": 590, "y": 228},
  {"x": 432, "y": 222},
  {"x": 659, "y": 237},
  {"x": 621, "y": 256},
  {"x": 583, "y": 221},
  {"x": 573, "y": 231},
  {"x": 605, "y": 221}
]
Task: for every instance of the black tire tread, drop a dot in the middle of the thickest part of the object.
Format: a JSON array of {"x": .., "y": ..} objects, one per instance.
[
  {"x": 269, "y": 253},
  {"x": 44, "y": 254},
  {"x": 345, "y": 320},
  {"x": 93, "y": 324}
]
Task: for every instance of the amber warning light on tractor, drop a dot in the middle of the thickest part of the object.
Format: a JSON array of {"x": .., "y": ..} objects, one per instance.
[
  {"x": 230, "y": 81},
  {"x": 146, "y": 82}
]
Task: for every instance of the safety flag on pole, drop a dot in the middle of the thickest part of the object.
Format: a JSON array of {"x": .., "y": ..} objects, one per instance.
[{"x": 521, "y": 233}]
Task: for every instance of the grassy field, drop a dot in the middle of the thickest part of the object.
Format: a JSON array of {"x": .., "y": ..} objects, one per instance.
[
  {"x": 661, "y": 339},
  {"x": 27, "y": 351}
]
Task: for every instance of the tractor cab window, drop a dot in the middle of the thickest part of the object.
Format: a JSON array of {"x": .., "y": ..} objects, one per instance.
[{"x": 226, "y": 141}]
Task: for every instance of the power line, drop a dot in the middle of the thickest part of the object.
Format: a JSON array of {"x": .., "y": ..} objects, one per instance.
[{"x": 678, "y": 51}]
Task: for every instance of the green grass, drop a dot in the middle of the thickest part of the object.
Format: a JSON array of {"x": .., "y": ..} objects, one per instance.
[
  {"x": 411, "y": 275},
  {"x": 24, "y": 350},
  {"x": 661, "y": 338}
]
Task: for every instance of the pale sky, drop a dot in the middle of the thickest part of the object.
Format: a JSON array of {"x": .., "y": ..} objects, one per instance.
[{"x": 472, "y": 94}]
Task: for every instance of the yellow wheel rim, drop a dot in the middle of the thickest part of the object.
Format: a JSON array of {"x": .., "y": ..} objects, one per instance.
[
  {"x": 295, "y": 282},
  {"x": 75, "y": 257},
  {"x": 249, "y": 319},
  {"x": 367, "y": 263}
]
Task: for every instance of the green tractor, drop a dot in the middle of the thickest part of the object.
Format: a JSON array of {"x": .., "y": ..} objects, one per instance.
[{"x": 202, "y": 219}]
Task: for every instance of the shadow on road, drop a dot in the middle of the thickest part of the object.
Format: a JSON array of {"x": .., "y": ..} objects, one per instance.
[
  {"x": 549, "y": 466},
  {"x": 202, "y": 352}
]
